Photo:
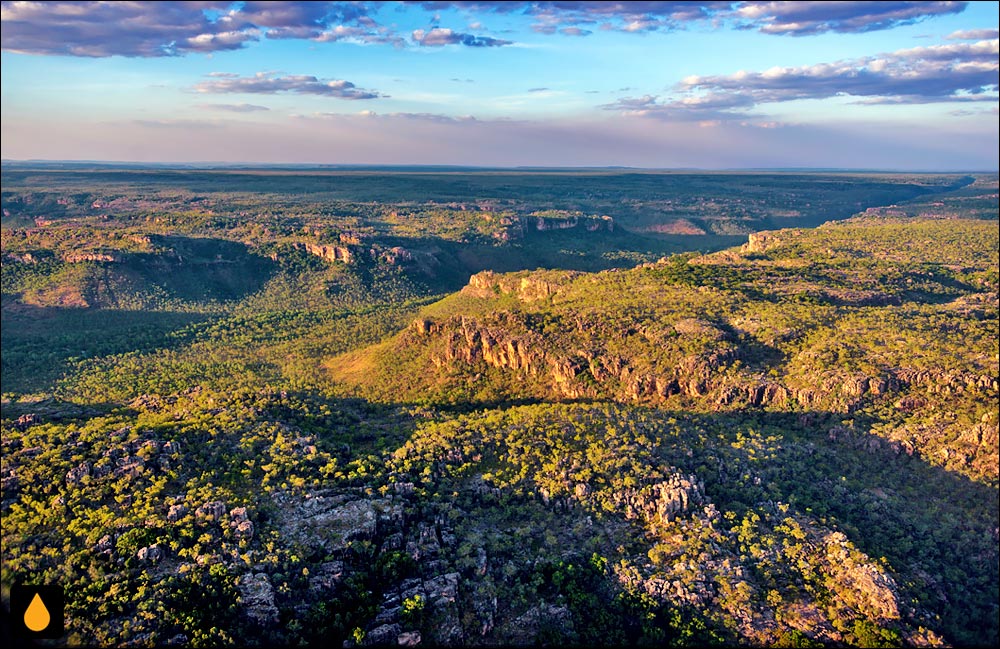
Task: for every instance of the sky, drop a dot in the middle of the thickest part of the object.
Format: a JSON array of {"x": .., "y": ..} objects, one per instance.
[{"x": 707, "y": 85}]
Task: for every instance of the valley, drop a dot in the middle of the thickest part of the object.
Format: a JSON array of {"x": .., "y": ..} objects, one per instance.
[{"x": 494, "y": 407}]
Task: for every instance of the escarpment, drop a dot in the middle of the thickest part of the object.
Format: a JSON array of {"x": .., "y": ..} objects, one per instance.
[
  {"x": 516, "y": 228},
  {"x": 844, "y": 323},
  {"x": 638, "y": 371},
  {"x": 327, "y": 252},
  {"x": 531, "y": 287},
  {"x": 665, "y": 335}
]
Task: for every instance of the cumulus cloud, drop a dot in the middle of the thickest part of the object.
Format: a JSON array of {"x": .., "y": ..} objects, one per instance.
[
  {"x": 154, "y": 29},
  {"x": 974, "y": 35},
  {"x": 221, "y": 41},
  {"x": 439, "y": 37},
  {"x": 99, "y": 29},
  {"x": 633, "y": 104},
  {"x": 935, "y": 73},
  {"x": 789, "y": 18},
  {"x": 568, "y": 17},
  {"x": 267, "y": 83},
  {"x": 355, "y": 34},
  {"x": 957, "y": 72},
  {"x": 804, "y": 18},
  {"x": 297, "y": 14},
  {"x": 551, "y": 16},
  {"x": 714, "y": 107},
  {"x": 378, "y": 36}
]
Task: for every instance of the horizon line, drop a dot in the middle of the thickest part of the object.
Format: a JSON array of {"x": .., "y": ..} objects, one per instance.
[{"x": 207, "y": 164}]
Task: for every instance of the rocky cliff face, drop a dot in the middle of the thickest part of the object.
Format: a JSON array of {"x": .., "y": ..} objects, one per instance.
[
  {"x": 658, "y": 504},
  {"x": 332, "y": 521},
  {"x": 575, "y": 366},
  {"x": 758, "y": 242},
  {"x": 524, "y": 287},
  {"x": 517, "y": 228},
  {"x": 327, "y": 252},
  {"x": 24, "y": 257},
  {"x": 106, "y": 257},
  {"x": 506, "y": 343}
]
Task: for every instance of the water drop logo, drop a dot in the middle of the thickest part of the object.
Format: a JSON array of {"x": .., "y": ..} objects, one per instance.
[
  {"x": 37, "y": 610},
  {"x": 37, "y": 617}
]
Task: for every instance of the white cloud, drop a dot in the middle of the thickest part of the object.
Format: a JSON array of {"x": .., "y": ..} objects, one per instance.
[{"x": 267, "y": 83}]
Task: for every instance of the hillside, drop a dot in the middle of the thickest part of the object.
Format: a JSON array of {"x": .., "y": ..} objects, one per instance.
[
  {"x": 859, "y": 318},
  {"x": 329, "y": 425}
]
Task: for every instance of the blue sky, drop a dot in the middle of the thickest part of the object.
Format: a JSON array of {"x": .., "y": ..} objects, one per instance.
[{"x": 892, "y": 85}]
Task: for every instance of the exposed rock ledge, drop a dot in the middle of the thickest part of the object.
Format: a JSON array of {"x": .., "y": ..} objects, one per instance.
[
  {"x": 525, "y": 287},
  {"x": 103, "y": 257},
  {"x": 507, "y": 344},
  {"x": 329, "y": 253}
]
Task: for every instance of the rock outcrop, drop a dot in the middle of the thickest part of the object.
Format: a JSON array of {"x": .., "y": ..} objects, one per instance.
[
  {"x": 327, "y": 252},
  {"x": 573, "y": 366},
  {"x": 758, "y": 242},
  {"x": 332, "y": 521},
  {"x": 528, "y": 287},
  {"x": 861, "y": 583},
  {"x": 22, "y": 257},
  {"x": 150, "y": 554},
  {"x": 211, "y": 511},
  {"x": 660, "y": 503},
  {"x": 515, "y": 228},
  {"x": 556, "y": 621},
  {"x": 257, "y": 598},
  {"x": 106, "y": 257},
  {"x": 589, "y": 223}
]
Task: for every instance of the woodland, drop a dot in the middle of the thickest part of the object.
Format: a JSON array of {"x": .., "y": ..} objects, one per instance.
[{"x": 485, "y": 407}]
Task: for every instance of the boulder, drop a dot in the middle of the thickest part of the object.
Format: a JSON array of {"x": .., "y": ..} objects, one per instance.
[
  {"x": 176, "y": 512},
  {"x": 245, "y": 530},
  {"x": 381, "y": 636},
  {"x": 211, "y": 511},
  {"x": 442, "y": 595},
  {"x": 326, "y": 576},
  {"x": 151, "y": 553},
  {"x": 331, "y": 522},
  {"x": 257, "y": 598}
]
